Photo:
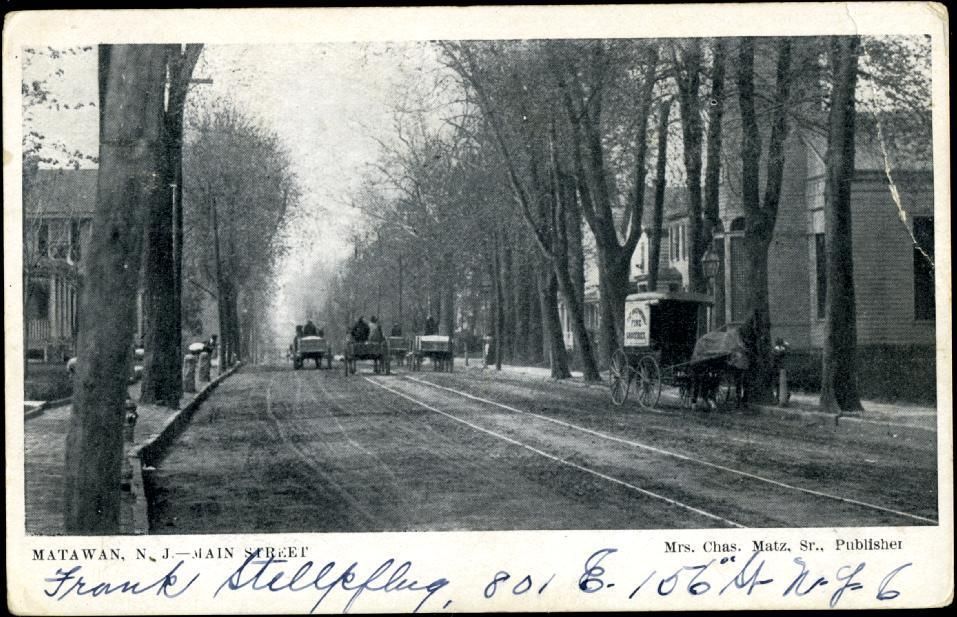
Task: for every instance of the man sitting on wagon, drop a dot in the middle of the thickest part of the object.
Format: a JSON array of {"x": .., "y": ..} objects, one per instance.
[
  {"x": 360, "y": 331},
  {"x": 309, "y": 329},
  {"x": 375, "y": 330}
]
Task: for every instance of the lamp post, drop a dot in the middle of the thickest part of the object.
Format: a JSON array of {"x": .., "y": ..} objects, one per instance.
[{"x": 710, "y": 263}]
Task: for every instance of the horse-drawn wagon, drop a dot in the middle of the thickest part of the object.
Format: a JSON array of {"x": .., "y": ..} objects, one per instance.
[
  {"x": 398, "y": 349},
  {"x": 308, "y": 347},
  {"x": 377, "y": 351},
  {"x": 436, "y": 347},
  {"x": 661, "y": 345}
]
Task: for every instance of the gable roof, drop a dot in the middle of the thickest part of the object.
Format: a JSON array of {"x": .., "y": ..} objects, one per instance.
[{"x": 60, "y": 192}]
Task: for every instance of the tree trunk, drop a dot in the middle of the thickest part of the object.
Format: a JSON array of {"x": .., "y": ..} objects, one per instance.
[
  {"x": 131, "y": 107},
  {"x": 163, "y": 257},
  {"x": 689, "y": 80},
  {"x": 551, "y": 323},
  {"x": 535, "y": 337},
  {"x": 520, "y": 314},
  {"x": 568, "y": 261},
  {"x": 508, "y": 304},
  {"x": 657, "y": 219},
  {"x": 760, "y": 219},
  {"x": 499, "y": 310},
  {"x": 161, "y": 371},
  {"x": 839, "y": 390},
  {"x": 712, "y": 175}
]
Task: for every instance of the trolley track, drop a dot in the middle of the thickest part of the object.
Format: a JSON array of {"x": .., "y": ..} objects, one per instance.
[
  {"x": 892, "y": 514},
  {"x": 281, "y": 450}
]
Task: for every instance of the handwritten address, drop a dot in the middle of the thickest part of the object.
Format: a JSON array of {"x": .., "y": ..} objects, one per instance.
[{"x": 604, "y": 572}]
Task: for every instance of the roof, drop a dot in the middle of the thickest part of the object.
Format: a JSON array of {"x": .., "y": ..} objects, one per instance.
[
  {"x": 679, "y": 296},
  {"x": 60, "y": 192},
  {"x": 675, "y": 204}
]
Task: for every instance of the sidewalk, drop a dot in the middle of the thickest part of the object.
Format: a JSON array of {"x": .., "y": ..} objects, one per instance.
[
  {"x": 44, "y": 437},
  {"x": 892, "y": 414}
]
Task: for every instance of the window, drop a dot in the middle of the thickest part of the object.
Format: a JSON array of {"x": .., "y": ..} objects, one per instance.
[
  {"x": 75, "y": 241},
  {"x": 672, "y": 244},
  {"x": 682, "y": 243},
  {"x": 923, "y": 272},
  {"x": 43, "y": 239},
  {"x": 59, "y": 239},
  {"x": 740, "y": 282},
  {"x": 820, "y": 258}
]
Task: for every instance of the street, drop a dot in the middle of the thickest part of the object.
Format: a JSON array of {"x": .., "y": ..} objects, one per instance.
[{"x": 277, "y": 450}]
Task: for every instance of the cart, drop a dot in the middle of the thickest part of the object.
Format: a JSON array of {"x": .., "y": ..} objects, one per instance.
[
  {"x": 310, "y": 348},
  {"x": 377, "y": 351},
  {"x": 436, "y": 347},
  {"x": 661, "y": 330},
  {"x": 398, "y": 349}
]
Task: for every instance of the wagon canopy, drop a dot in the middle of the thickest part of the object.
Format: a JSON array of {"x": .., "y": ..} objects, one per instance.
[{"x": 722, "y": 345}]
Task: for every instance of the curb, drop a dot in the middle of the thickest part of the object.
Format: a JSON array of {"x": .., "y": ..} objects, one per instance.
[
  {"x": 150, "y": 452},
  {"x": 38, "y": 411}
]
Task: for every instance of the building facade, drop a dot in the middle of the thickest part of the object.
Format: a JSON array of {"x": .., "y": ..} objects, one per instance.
[
  {"x": 893, "y": 278},
  {"x": 57, "y": 225}
]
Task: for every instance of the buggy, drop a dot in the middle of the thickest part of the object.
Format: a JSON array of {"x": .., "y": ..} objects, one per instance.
[{"x": 661, "y": 346}]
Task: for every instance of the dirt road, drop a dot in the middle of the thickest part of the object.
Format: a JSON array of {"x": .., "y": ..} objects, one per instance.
[{"x": 281, "y": 450}]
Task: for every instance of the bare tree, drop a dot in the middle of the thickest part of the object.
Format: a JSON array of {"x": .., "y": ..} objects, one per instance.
[{"x": 760, "y": 217}]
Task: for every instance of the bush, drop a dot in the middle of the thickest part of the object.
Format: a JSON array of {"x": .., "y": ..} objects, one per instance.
[{"x": 47, "y": 382}]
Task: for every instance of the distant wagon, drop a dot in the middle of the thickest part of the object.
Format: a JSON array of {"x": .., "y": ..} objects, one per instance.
[
  {"x": 377, "y": 351},
  {"x": 314, "y": 348},
  {"x": 436, "y": 347},
  {"x": 398, "y": 349}
]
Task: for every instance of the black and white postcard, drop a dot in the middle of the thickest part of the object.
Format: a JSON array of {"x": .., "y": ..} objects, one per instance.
[{"x": 478, "y": 309}]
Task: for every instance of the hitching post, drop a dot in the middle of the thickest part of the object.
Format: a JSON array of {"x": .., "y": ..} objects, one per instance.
[{"x": 189, "y": 373}]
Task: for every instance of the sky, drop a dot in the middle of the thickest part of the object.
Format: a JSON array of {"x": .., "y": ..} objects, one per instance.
[{"x": 330, "y": 104}]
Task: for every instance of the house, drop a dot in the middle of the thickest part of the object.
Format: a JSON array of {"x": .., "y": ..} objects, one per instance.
[
  {"x": 893, "y": 279},
  {"x": 58, "y": 216}
]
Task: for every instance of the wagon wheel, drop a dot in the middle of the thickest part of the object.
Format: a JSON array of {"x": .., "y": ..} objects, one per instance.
[
  {"x": 649, "y": 382},
  {"x": 621, "y": 376}
]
